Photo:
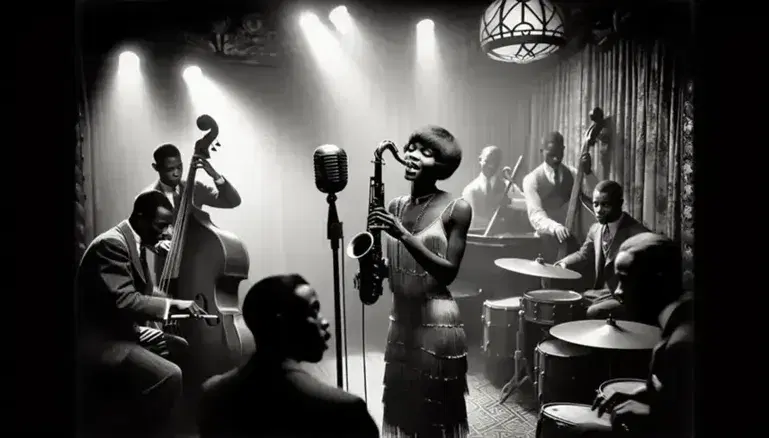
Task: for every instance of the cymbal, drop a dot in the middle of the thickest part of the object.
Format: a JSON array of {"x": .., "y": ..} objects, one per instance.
[
  {"x": 536, "y": 268},
  {"x": 609, "y": 334}
]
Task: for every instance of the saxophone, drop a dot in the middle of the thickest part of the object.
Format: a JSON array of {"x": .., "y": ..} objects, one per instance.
[{"x": 367, "y": 245}]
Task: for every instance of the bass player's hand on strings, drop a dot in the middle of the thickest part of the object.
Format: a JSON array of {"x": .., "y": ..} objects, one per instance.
[
  {"x": 163, "y": 247},
  {"x": 586, "y": 161},
  {"x": 561, "y": 233},
  {"x": 202, "y": 163}
]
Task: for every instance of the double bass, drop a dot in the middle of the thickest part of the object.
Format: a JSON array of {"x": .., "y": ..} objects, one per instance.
[
  {"x": 579, "y": 214},
  {"x": 206, "y": 264}
]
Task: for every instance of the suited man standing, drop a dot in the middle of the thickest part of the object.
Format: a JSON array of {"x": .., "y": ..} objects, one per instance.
[
  {"x": 127, "y": 387},
  {"x": 485, "y": 192},
  {"x": 271, "y": 396},
  {"x": 603, "y": 240},
  {"x": 547, "y": 190}
]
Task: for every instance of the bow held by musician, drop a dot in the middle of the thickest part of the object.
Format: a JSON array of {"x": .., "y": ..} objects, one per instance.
[
  {"x": 649, "y": 269},
  {"x": 115, "y": 298},
  {"x": 600, "y": 247},
  {"x": 426, "y": 355},
  {"x": 283, "y": 313},
  {"x": 547, "y": 191}
]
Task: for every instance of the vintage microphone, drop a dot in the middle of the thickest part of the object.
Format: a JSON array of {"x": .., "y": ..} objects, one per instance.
[{"x": 330, "y": 163}]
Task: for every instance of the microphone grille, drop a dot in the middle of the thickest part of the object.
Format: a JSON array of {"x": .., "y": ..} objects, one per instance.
[{"x": 330, "y": 163}]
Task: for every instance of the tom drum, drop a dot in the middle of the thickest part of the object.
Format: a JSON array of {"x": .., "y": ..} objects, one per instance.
[
  {"x": 567, "y": 420},
  {"x": 628, "y": 386},
  {"x": 500, "y": 326},
  {"x": 563, "y": 372}
]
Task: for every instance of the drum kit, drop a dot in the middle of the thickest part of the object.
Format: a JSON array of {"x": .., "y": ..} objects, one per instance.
[{"x": 566, "y": 370}]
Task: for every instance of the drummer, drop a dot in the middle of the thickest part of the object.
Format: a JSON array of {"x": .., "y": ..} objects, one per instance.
[
  {"x": 547, "y": 190},
  {"x": 485, "y": 192},
  {"x": 603, "y": 240},
  {"x": 649, "y": 269}
]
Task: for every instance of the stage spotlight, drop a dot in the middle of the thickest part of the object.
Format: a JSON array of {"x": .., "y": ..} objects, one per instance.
[
  {"x": 128, "y": 60},
  {"x": 308, "y": 19},
  {"x": 341, "y": 19},
  {"x": 192, "y": 72},
  {"x": 425, "y": 25}
]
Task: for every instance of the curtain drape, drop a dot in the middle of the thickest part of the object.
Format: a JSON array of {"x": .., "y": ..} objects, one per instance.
[
  {"x": 644, "y": 89},
  {"x": 83, "y": 230}
]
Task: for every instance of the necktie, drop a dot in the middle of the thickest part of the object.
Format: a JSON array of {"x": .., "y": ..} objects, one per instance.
[
  {"x": 488, "y": 187},
  {"x": 177, "y": 198},
  {"x": 606, "y": 239},
  {"x": 556, "y": 176},
  {"x": 145, "y": 265}
]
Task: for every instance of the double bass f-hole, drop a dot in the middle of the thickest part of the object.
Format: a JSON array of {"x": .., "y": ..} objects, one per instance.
[{"x": 211, "y": 320}]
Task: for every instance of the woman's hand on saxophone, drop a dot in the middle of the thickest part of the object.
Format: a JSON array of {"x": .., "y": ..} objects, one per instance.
[{"x": 381, "y": 219}]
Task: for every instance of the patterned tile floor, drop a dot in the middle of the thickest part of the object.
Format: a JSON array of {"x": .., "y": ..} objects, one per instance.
[{"x": 487, "y": 418}]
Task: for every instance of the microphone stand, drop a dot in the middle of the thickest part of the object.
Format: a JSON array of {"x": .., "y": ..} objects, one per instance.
[{"x": 335, "y": 235}]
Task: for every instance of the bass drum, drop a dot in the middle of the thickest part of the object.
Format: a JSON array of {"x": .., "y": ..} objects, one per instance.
[{"x": 564, "y": 373}]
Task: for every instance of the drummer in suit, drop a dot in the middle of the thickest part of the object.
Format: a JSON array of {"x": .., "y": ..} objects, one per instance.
[
  {"x": 600, "y": 248},
  {"x": 486, "y": 191},
  {"x": 648, "y": 267},
  {"x": 547, "y": 190}
]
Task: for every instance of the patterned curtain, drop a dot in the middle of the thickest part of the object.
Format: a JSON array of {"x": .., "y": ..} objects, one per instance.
[
  {"x": 82, "y": 235},
  {"x": 643, "y": 88},
  {"x": 687, "y": 180}
]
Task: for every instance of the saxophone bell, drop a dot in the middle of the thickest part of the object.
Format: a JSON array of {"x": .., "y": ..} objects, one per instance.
[{"x": 360, "y": 245}]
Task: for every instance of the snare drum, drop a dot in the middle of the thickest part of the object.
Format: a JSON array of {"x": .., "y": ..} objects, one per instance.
[
  {"x": 553, "y": 307},
  {"x": 567, "y": 420},
  {"x": 628, "y": 386},
  {"x": 500, "y": 325},
  {"x": 564, "y": 372}
]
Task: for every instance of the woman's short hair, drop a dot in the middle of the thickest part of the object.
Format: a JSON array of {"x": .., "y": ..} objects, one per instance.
[{"x": 448, "y": 153}]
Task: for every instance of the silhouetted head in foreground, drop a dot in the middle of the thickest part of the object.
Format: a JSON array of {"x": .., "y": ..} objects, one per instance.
[
  {"x": 649, "y": 269},
  {"x": 283, "y": 313}
]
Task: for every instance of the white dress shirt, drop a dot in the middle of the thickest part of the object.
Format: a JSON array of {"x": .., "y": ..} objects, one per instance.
[{"x": 613, "y": 226}]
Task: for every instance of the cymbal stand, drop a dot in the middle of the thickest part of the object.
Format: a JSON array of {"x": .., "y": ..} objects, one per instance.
[
  {"x": 543, "y": 282},
  {"x": 520, "y": 363}
]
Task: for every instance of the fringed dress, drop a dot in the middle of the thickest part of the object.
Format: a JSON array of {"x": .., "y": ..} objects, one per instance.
[{"x": 425, "y": 379}]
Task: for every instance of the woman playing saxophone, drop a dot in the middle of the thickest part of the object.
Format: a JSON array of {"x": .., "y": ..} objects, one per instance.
[{"x": 426, "y": 355}]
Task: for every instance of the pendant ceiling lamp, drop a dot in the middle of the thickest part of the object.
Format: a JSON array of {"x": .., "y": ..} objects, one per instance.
[{"x": 521, "y": 31}]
